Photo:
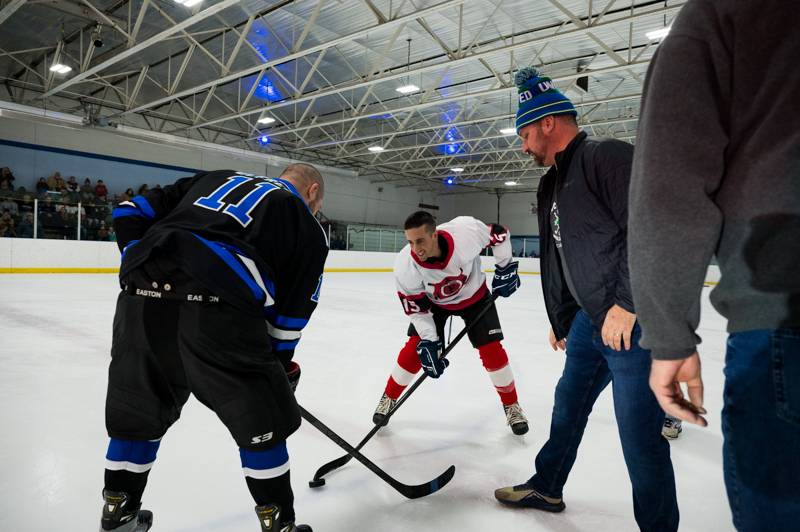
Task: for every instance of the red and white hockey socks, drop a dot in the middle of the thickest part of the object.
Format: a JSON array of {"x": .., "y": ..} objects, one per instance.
[
  {"x": 495, "y": 360},
  {"x": 403, "y": 373}
]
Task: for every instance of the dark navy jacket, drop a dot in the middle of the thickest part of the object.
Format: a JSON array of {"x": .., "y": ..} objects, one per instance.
[{"x": 590, "y": 181}]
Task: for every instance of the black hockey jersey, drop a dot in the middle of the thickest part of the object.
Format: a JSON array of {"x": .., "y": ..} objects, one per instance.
[{"x": 250, "y": 240}]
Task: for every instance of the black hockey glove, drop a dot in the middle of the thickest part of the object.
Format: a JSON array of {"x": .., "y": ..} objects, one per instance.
[
  {"x": 293, "y": 374},
  {"x": 428, "y": 352},
  {"x": 506, "y": 279}
]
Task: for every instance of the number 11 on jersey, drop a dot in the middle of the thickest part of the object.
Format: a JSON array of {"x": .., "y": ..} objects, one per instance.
[{"x": 239, "y": 211}]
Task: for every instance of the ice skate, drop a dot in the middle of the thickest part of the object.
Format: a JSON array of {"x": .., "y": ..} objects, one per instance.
[
  {"x": 384, "y": 406},
  {"x": 118, "y": 516},
  {"x": 672, "y": 428},
  {"x": 516, "y": 418},
  {"x": 525, "y": 496},
  {"x": 269, "y": 516}
]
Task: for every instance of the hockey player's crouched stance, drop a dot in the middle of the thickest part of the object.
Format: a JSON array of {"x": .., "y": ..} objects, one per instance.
[
  {"x": 439, "y": 275},
  {"x": 204, "y": 261}
]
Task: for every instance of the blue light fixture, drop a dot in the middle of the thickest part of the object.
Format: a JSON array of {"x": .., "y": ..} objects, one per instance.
[
  {"x": 449, "y": 181},
  {"x": 263, "y": 140}
]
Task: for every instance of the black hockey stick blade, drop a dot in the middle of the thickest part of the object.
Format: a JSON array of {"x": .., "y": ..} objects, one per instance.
[
  {"x": 407, "y": 490},
  {"x": 335, "y": 464}
]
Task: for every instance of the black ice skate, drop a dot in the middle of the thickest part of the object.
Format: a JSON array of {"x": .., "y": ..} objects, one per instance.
[
  {"x": 269, "y": 516},
  {"x": 384, "y": 406},
  {"x": 524, "y": 496},
  {"x": 120, "y": 517},
  {"x": 516, "y": 419}
]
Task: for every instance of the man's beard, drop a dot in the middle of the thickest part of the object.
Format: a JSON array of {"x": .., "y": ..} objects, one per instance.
[{"x": 539, "y": 159}]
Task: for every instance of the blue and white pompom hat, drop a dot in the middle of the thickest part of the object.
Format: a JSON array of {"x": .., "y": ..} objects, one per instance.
[{"x": 538, "y": 98}]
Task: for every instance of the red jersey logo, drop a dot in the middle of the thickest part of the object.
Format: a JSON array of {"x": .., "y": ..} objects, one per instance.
[{"x": 449, "y": 286}]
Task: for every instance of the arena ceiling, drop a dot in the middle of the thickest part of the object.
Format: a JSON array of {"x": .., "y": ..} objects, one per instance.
[{"x": 317, "y": 80}]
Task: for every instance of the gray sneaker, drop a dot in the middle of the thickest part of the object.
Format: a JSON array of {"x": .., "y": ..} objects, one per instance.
[{"x": 524, "y": 496}]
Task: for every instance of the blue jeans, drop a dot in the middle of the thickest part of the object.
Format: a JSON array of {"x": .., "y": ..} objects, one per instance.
[
  {"x": 761, "y": 425},
  {"x": 589, "y": 367}
]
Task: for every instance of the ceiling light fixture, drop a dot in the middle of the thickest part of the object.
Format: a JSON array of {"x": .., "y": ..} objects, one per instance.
[
  {"x": 457, "y": 169},
  {"x": 408, "y": 88},
  {"x": 511, "y": 183},
  {"x": 376, "y": 149},
  {"x": 509, "y": 131},
  {"x": 59, "y": 68},
  {"x": 266, "y": 120},
  {"x": 658, "y": 34}
]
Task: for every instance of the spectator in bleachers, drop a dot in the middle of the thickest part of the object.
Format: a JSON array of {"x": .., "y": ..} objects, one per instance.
[
  {"x": 42, "y": 187},
  {"x": 142, "y": 189},
  {"x": 87, "y": 187},
  {"x": 112, "y": 235},
  {"x": 100, "y": 190},
  {"x": 52, "y": 181},
  {"x": 127, "y": 195},
  {"x": 72, "y": 211},
  {"x": 6, "y": 191},
  {"x": 64, "y": 222},
  {"x": 71, "y": 196},
  {"x": 7, "y": 177},
  {"x": 102, "y": 233},
  {"x": 25, "y": 229},
  {"x": 87, "y": 196},
  {"x": 25, "y": 203},
  {"x": 72, "y": 184},
  {"x": 8, "y": 223},
  {"x": 7, "y": 204},
  {"x": 48, "y": 204}
]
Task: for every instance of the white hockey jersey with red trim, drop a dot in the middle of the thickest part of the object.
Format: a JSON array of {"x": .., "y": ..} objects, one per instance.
[{"x": 457, "y": 280}]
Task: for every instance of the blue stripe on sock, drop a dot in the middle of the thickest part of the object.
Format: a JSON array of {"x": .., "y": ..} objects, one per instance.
[
  {"x": 135, "y": 451},
  {"x": 269, "y": 459},
  {"x": 284, "y": 345},
  {"x": 145, "y": 206}
]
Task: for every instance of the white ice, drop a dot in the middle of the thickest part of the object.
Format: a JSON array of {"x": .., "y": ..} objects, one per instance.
[{"x": 55, "y": 333}]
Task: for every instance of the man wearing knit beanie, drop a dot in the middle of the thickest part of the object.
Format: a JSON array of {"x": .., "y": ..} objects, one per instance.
[{"x": 583, "y": 212}]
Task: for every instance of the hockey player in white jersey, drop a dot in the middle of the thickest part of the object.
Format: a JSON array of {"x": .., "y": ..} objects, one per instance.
[{"x": 439, "y": 275}]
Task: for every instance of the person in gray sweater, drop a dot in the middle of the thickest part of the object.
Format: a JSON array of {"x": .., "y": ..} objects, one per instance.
[{"x": 717, "y": 172}]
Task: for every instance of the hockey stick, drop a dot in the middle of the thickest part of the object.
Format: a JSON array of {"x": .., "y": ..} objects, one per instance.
[
  {"x": 412, "y": 492},
  {"x": 318, "y": 479}
]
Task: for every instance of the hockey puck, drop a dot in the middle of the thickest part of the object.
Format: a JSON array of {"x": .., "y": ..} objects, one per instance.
[{"x": 316, "y": 483}]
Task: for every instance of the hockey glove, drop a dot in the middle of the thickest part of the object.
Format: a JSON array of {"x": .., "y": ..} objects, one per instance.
[
  {"x": 506, "y": 279},
  {"x": 293, "y": 374},
  {"x": 428, "y": 352}
]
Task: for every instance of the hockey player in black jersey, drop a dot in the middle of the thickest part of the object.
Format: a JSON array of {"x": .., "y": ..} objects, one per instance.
[{"x": 220, "y": 272}]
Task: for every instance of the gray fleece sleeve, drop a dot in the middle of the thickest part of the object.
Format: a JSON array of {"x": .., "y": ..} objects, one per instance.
[{"x": 673, "y": 224}]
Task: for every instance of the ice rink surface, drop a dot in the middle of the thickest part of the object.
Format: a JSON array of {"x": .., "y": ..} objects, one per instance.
[{"x": 54, "y": 352}]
